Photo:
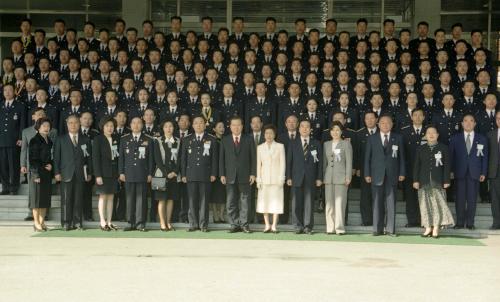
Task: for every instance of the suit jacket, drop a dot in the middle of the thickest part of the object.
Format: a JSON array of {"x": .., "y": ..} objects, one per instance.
[
  {"x": 302, "y": 168},
  {"x": 172, "y": 152},
  {"x": 494, "y": 154},
  {"x": 237, "y": 163},
  {"x": 40, "y": 155},
  {"x": 71, "y": 161},
  {"x": 461, "y": 162},
  {"x": 105, "y": 157},
  {"x": 425, "y": 169},
  {"x": 271, "y": 164},
  {"x": 379, "y": 161},
  {"x": 337, "y": 165},
  {"x": 27, "y": 135}
]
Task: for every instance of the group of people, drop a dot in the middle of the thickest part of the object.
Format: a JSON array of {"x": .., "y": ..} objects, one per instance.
[{"x": 277, "y": 124}]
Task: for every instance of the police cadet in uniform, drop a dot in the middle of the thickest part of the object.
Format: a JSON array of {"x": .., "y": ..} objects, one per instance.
[
  {"x": 365, "y": 203},
  {"x": 198, "y": 169},
  {"x": 136, "y": 169},
  {"x": 12, "y": 123},
  {"x": 413, "y": 137}
]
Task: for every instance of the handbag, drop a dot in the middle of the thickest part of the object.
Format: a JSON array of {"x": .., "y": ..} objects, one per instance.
[{"x": 158, "y": 181}]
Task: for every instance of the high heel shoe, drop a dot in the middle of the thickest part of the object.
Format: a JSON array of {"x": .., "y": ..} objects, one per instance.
[
  {"x": 171, "y": 228},
  {"x": 112, "y": 227},
  {"x": 44, "y": 228},
  {"x": 275, "y": 231},
  {"x": 164, "y": 229},
  {"x": 426, "y": 235},
  {"x": 435, "y": 237},
  {"x": 266, "y": 231},
  {"x": 37, "y": 229},
  {"x": 105, "y": 228}
]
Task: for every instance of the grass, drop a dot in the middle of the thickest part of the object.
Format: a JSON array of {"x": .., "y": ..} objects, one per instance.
[{"x": 182, "y": 234}]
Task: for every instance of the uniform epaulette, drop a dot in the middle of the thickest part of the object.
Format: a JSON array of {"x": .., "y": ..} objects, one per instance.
[
  {"x": 189, "y": 134},
  {"x": 405, "y": 127},
  {"x": 149, "y": 136},
  {"x": 347, "y": 128},
  {"x": 211, "y": 135},
  {"x": 126, "y": 134},
  {"x": 95, "y": 130},
  {"x": 325, "y": 130},
  {"x": 361, "y": 129}
]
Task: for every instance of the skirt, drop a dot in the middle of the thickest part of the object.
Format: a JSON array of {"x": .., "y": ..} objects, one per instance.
[
  {"x": 434, "y": 210},
  {"x": 40, "y": 194},
  {"x": 109, "y": 186},
  {"x": 171, "y": 193},
  {"x": 270, "y": 199},
  {"x": 218, "y": 192}
]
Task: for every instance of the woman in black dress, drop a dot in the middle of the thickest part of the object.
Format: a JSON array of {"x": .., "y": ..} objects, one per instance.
[
  {"x": 166, "y": 158},
  {"x": 40, "y": 161},
  {"x": 105, "y": 163},
  {"x": 218, "y": 193}
]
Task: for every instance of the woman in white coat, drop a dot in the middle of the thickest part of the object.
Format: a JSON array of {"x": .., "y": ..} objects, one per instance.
[
  {"x": 271, "y": 165},
  {"x": 337, "y": 169}
]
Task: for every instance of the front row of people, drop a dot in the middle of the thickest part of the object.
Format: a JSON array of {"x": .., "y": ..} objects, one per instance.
[{"x": 237, "y": 162}]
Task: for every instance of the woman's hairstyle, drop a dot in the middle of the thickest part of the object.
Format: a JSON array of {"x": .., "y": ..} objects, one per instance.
[
  {"x": 41, "y": 121},
  {"x": 162, "y": 125},
  {"x": 104, "y": 121},
  {"x": 337, "y": 124},
  {"x": 270, "y": 127}
]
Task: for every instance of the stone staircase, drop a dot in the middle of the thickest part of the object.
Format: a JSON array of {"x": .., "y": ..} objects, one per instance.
[{"x": 13, "y": 209}]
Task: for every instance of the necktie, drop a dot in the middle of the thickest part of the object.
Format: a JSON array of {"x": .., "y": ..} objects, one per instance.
[
  {"x": 182, "y": 134},
  {"x": 256, "y": 139},
  {"x": 371, "y": 132},
  {"x": 468, "y": 144},
  {"x": 304, "y": 148},
  {"x": 292, "y": 137},
  {"x": 198, "y": 138},
  {"x": 449, "y": 114},
  {"x": 386, "y": 140},
  {"x": 120, "y": 131},
  {"x": 73, "y": 139},
  {"x": 136, "y": 139},
  {"x": 418, "y": 131},
  {"x": 236, "y": 142}
]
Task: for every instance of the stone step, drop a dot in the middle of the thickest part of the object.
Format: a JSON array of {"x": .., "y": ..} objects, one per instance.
[
  {"x": 354, "y": 219},
  {"x": 477, "y": 233}
]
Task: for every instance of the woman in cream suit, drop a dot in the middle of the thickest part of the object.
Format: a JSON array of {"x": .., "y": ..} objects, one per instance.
[
  {"x": 271, "y": 165},
  {"x": 337, "y": 167}
]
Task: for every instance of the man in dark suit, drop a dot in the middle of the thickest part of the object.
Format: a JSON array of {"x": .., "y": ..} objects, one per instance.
[
  {"x": 237, "y": 170},
  {"x": 286, "y": 138},
  {"x": 494, "y": 172},
  {"x": 198, "y": 170},
  {"x": 413, "y": 137},
  {"x": 304, "y": 174},
  {"x": 469, "y": 164},
  {"x": 13, "y": 117},
  {"x": 72, "y": 167},
  {"x": 384, "y": 167},
  {"x": 135, "y": 166}
]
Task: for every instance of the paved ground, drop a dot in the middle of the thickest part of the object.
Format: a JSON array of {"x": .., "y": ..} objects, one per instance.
[{"x": 152, "y": 269}]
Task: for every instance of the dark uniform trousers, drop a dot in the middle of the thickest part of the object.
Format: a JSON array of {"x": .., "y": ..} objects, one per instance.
[
  {"x": 287, "y": 195},
  {"x": 411, "y": 200},
  {"x": 9, "y": 168},
  {"x": 137, "y": 202},
  {"x": 120, "y": 203},
  {"x": 365, "y": 203},
  {"x": 238, "y": 203},
  {"x": 465, "y": 202},
  {"x": 87, "y": 199},
  {"x": 199, "y": 195},
  {"x": 71, "y": 201}
]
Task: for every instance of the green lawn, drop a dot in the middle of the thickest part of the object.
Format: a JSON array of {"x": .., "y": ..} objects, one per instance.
[{"x": 182, "y": 234}]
